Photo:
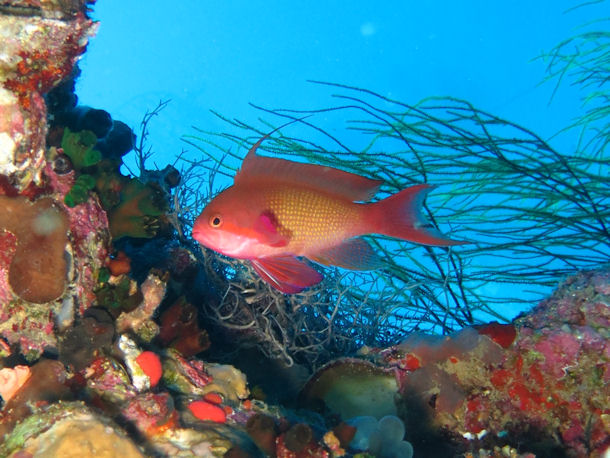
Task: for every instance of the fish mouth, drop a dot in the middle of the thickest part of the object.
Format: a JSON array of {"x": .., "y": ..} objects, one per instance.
[
  {"x": 200, "y": 236},
  {"x": 226, "y": 244}
]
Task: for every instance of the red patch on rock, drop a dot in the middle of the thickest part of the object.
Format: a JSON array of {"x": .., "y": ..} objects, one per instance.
[
  {"x": 411, "y": 362},
  {"x": 502, "y": 334},
  {"x": 204, "y": 410},
  {"x": 213, "y": 398},
  {"x": 151, "y": 365}
]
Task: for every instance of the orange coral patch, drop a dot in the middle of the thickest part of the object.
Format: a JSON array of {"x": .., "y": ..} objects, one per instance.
[
  {"x": 38, "y": 269},
  {"x": 204, "y": 410},
  {"x": 151, "y": 365},
  {"x": 213, "y": 398}
]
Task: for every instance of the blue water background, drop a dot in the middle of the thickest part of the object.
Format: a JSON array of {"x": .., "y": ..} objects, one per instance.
[{"x": 222, "y": 55}]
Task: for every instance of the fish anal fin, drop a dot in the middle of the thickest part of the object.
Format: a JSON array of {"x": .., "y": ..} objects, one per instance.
[
  {"x": 286, "y": 273},
  {"x": 353, "y": 254},
  {"x": 322, "y": 178},
  {"x": 269, "y": 230}
]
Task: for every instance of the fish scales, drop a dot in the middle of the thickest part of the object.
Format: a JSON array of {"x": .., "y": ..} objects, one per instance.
[{"x": 312, "y": 220}]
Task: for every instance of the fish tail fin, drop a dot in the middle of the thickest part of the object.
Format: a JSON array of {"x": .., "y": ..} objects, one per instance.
[{"x": 400, "y": 216}]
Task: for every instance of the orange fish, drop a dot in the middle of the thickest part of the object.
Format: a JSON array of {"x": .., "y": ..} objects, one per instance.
[{"x": 278, "y": 210}]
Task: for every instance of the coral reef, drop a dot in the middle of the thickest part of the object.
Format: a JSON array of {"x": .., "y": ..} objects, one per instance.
[
  {"x": 46, "y": 246},
  {"x": 119, "y": 338},
  {"x": 39, "y": 50},
  {"x": 543, "y": 389}
]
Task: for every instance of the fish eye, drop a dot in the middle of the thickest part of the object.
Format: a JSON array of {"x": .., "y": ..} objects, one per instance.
[{"x": 216, "y": 220}]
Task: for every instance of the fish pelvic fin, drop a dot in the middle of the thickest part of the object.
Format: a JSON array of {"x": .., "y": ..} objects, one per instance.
[
  {"x": 400, "y": 216},
  {"x": 286, "y": 273}
]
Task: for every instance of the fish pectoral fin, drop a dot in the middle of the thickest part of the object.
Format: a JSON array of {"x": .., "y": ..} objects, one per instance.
[
  {"x": 286, "y": 273},
  {"x": 269, "y": 230},
  {"x": 353, "y": 254}
]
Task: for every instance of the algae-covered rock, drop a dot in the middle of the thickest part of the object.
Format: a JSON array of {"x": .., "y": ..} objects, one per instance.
[
  {"x": 68, "y": 430},
  {"x": 40, "y": 42},
  {"x": 351, "y": 387},
  {"x": 194, "y": 377}
]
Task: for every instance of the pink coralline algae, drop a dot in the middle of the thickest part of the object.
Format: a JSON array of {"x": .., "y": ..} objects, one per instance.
[
  {"x": 547, "y": 392},
  {"x": 151, "y": 413},
  {"x": 89, "y": 236}
]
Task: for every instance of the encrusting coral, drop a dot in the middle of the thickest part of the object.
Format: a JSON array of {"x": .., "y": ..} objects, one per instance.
[
  {"x": 548, "y": 386},
  {"x": 38, "y": 269},
  {"x": 39, "y": 49}
]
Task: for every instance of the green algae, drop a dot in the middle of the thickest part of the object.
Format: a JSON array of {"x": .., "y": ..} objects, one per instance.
[
  {"x": 79, "y": 193},
  {"x": 79, "y": 147}
]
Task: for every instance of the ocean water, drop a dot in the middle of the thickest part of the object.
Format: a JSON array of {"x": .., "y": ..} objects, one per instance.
[{"x": 224, "y": 56}]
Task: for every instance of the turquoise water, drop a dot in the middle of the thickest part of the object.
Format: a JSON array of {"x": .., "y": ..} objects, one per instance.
[{"x": 222, "y": 56}]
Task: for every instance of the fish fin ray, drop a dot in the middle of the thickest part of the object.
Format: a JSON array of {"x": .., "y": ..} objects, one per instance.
[
  {"x": 328, "y": 179},
  {"x": 400, "y": 216},
  {"x": 352, "y": 254},
  {"x": 286, "y": 273}
]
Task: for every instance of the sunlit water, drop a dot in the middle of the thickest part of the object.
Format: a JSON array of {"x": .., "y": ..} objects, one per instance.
[{"x": 222, "y": 56}]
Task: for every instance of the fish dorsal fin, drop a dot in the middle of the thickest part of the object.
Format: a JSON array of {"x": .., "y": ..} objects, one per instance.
[{"x": 327, "y": 179}]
